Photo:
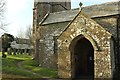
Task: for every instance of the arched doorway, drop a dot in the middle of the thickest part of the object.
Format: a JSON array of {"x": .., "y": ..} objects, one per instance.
[{"x": 82, "y": 58}]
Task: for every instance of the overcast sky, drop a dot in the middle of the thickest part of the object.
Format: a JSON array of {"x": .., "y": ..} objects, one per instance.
[{"x": 19, "y": 13}]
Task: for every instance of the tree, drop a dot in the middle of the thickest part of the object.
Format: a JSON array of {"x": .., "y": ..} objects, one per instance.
[
  {"x": 28, "y": 33},
  {"x": 6, "y": 39},
  {"x": 2, "y": 11},
  {"x": 25, "y": 33},
  {"x": 21, "y": 33}
]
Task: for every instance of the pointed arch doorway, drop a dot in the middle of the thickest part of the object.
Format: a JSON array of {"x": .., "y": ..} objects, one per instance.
[{"x": 82, "y": 53}]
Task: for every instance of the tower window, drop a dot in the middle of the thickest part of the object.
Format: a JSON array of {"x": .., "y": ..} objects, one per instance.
[{"x": 55, "y": 44}]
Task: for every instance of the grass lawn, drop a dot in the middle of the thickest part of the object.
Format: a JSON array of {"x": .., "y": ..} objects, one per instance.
[{"x": 21, "y": 66}]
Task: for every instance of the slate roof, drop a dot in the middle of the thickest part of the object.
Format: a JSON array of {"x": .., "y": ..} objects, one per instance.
[
  {"x": 22, "y": 41},
  {"x": 106, "y": 9},
  {"x": 20, "y": 46}
]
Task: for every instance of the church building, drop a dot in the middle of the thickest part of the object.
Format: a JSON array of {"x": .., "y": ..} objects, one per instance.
[{"x": 80, "y": 43}]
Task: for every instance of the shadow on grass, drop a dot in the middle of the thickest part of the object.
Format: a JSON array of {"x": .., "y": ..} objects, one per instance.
[{"x": 29, "y": 68}]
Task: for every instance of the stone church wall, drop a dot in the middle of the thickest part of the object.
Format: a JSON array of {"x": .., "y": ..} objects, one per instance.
[
  {"x": 46, "y": 48},
  {"x": 86, "y": 27},
  {"x": 47, "y": 55},
  {"x": 109, "y": 23}
]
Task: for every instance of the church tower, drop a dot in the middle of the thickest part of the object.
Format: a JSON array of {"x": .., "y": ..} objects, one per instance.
[{"x": 41, "y": 8}]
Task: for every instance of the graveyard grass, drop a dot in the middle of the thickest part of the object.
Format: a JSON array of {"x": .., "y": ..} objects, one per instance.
[{"x": 22, "y": 66}]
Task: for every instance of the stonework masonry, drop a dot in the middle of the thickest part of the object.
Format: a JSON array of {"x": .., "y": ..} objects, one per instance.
[
  {"x": 88, "y": 28},
  {"x": 47, "y": 44},
  {"x": 52, "y": 38}
]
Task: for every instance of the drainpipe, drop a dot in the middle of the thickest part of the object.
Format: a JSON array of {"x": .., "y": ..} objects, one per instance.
[
  {"x": 118, "y": 47},
  {"x": 118, "y": 39}
]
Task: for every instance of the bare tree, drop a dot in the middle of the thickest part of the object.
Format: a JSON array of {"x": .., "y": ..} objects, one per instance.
[
  {"x": 2, "y": 11},
  {"x": 21, "y": 33},
  {"x": 28, "y": 33}
]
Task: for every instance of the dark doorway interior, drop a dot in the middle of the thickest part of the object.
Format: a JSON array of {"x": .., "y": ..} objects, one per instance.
[{"x": 83, "y": 59}]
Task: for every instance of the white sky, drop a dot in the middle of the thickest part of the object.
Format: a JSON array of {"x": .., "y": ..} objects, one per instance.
[{"x": 19, "y": 13}]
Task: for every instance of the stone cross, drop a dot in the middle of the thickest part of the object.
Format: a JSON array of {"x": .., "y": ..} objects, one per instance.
[{"x": 80, "y": 4}]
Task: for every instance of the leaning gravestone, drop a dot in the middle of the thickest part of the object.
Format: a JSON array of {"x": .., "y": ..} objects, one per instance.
[
  {"x": 18, "y": 51},
  {"x": 9, "y": 50},
  {"x": 29, "y": 51},
  {"x": 21, "y": 51},
  {"x": 3, "y": 54},
  {"x": 14, "y": 51}
]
